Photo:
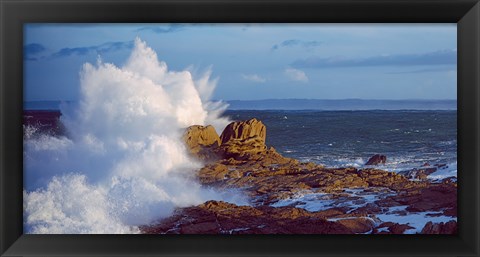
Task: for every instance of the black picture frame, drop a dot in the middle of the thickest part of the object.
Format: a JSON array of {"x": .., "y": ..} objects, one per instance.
[{"x": 14, "y": 13}]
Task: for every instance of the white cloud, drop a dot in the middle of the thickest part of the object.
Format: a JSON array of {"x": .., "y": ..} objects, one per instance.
[
  {"x": 296, "y": 75},
  {"x": 254, "y": 78}
]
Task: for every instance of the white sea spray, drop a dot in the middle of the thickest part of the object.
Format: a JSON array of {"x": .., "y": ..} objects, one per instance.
[{"x": 122, "y": 163}]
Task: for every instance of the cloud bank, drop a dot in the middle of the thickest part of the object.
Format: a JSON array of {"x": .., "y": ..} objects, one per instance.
[
  {"x": 296, "y": 42},
  {"x": 163, "y": 29},
  {"x": 444, "y": 57},
  {"x": 98, "y": 49},
  {"x": 31, "y": 51}
]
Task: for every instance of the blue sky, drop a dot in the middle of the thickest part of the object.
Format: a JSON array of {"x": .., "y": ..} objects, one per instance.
[{"x": 258, "y": 61}]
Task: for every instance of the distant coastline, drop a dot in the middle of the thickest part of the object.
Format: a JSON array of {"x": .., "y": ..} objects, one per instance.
[
  {"x": 341, "y": 104},
  {"x": 303, "y": 104}
]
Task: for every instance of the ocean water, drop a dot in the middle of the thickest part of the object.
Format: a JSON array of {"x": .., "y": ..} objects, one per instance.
[
  {"x": 120, "y": 162},
  {"x": 408, "y": 138}
]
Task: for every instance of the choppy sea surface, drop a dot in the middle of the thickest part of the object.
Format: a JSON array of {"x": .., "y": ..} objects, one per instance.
[{"x": 409, "y": 139}]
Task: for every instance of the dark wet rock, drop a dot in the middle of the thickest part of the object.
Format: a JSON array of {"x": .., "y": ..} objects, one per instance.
[
  {"x": 432, "y": 197},
  {"x": 44, "y": 121},
  {"x": 418, "y": 174},
  {"x": 358, "y": 225},
  {"x": 392, "y": 228},
  {"x": 450, "y": 180},
  {"x": 449, "y": 227},
  {"x": 377, "y": 159}
]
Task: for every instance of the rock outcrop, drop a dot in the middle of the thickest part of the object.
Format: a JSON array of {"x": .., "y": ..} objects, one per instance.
[
  {"x": 349, "y": 199},
  {"x": 423, "y": 172},
  {"x": 44, "y": 121},
  {"x": 420, "y": 174},
  {"x": 202, "y": 142},
  {"x": 239, "y": 140},
  {"x": 216, "y": 217},
  {"x": 392, "y": 228},
  {"x": 242, "y": 130},
  {"x": 377, "y": 159},
  {"x": 199, "y": 136},
  {"x": 243, "y": 139},
  {"x": 449, "y": 227}
]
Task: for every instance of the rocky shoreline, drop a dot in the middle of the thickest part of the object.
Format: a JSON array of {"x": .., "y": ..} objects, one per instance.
[{"x": 291, "y": 197}]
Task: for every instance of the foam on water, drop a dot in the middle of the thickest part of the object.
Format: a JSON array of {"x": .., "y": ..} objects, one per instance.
[
  {"x": 393, "y": 164},
  {"x": 417, "y": 220},
  {"x": 122, "y": 163},
  {"x": 307, "y": 200},
  {"x": 352, "y": 198},
  {"x": 447, "y": 171},
  {"x": 357, "y": 198}
]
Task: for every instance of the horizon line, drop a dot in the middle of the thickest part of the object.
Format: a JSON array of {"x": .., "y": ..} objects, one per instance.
[
  {"x": 341, "y": 99},
  {"x": 269, "y": 99}
]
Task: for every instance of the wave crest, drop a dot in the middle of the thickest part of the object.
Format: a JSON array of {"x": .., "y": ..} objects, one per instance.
[{"x": 124, "y": 163}]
